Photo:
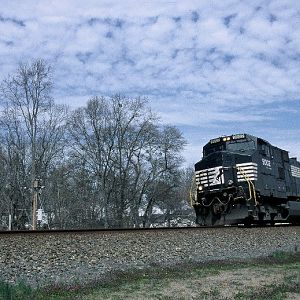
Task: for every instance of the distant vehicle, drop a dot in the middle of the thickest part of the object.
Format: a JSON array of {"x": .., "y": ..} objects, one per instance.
[{"x": 243, "y": 179}]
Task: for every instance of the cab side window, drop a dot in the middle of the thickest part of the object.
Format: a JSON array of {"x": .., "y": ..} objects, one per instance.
[
  {"x": 285, "y": 156},
  {"x": 265, "y": 150}
]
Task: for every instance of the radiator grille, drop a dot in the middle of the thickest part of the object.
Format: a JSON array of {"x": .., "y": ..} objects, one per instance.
[
  {"x": 248, "y": 170},
  {"x": 295, "y": 171}
]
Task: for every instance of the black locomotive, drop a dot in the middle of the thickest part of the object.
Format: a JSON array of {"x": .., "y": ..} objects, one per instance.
[{"x": 243, "y": 179}]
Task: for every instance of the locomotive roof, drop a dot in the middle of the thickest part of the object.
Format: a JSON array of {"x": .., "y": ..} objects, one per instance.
[
  {"x": 239, "y": 136},
  {"x": 234, "y": 137}
]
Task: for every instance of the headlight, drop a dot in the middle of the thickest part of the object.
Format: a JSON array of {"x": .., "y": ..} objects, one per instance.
[
  {"x": 230, "y": 182},
  {"x": 200, "y": 187}
]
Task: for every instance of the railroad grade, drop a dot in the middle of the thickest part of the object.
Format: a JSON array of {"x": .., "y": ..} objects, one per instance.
[
  {"x": 119, "y": 230},
  {"x": 67, "y": 257}
]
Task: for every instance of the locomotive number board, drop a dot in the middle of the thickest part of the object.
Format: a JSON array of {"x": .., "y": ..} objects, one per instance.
[{"x": 227, "y": 138}]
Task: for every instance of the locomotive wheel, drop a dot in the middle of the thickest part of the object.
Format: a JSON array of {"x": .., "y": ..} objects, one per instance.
[
  {"x": 248, "y": 221},
  {"x": 272, "y": 222},
  {"x": 261, "y": 217}
]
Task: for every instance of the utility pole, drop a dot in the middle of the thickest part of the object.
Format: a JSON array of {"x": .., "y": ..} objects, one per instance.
[
  {"x": 9, "y": 221},
  {"x": 37, "y": 185}
]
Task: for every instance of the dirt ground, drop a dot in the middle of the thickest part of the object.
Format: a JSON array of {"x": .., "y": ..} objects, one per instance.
[{"x": 237, "y": 284}]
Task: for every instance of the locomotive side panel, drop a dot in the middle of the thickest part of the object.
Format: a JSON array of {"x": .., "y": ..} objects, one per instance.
[{"x": 294, "y": 176}]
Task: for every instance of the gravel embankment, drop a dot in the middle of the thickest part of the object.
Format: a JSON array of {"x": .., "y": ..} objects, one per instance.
[{"x": 43, "y": 259}]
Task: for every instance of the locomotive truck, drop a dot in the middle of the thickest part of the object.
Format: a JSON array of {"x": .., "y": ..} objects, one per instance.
[{"x": 243, "y": 179}]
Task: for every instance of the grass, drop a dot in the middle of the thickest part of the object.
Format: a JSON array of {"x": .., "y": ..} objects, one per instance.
[
  {"x": 181, "y": 282},
  {"x": 10, "y": 291},
  {"x": 281, "y": 255},
  {"x": 272, "y": 292}
]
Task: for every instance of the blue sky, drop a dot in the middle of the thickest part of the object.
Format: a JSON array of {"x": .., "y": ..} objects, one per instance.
[{"x": 211, "y": 68}]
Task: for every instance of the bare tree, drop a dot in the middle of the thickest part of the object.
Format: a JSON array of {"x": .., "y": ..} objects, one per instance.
[
  {"x": 114, "y": 165},
  {"x": 27, "y": 96},
  {"x": 128, "y": 154},
  {"x": 107, "y": 134},
  {"x": 32, "y": 125},
  {"x": 164, "y": 171}
]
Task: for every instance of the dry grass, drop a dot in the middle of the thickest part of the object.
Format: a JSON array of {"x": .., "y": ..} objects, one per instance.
[
  {"x": 261, "y": 280},
  {"x": 276, "y": 277}
]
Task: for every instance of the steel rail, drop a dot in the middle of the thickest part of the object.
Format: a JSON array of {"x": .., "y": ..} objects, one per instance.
[{"x": 120, "y": 230}]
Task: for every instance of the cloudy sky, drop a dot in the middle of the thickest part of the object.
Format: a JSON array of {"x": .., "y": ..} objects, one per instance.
[{"x": 209, "y": 67}]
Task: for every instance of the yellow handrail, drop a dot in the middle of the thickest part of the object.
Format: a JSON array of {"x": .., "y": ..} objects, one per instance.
[
  {"x": 192, "y": 190},
  {"x": 250, "y": 185}
]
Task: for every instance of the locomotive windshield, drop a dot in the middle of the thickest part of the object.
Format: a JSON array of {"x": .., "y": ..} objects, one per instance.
[
  {"x": 241, "y": 146},
  {"x": 235, "y": 143},
  {"x": 214, "y": 148}
]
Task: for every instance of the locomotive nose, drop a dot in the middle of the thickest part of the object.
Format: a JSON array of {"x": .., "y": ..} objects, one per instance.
[
  {"x": 209, "y": 171},
  {"x": 215, "y": 170},
  {"x": 216, "y": 160},
  {"x": 211, "y": 161}
]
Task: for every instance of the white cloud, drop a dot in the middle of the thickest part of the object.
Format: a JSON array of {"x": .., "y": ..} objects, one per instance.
[{"x": 200, "y": 63}]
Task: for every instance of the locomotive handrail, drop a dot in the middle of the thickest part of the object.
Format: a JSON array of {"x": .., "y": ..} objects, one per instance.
[
  {"x": 218, "y": 199},
  {"x": 192, "y": 188},
  {"x": 250, "y": 185}
]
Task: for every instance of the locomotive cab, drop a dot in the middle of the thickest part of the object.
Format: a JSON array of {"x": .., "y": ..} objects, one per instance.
[{"x": 244, "y": 179}]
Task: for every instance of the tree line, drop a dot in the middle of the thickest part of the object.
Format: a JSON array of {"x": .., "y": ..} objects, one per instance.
[{"x": 106, "y": 164}]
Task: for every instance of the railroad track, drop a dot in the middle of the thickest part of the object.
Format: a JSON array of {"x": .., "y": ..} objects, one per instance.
[{"x": 147, "y": 229}]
